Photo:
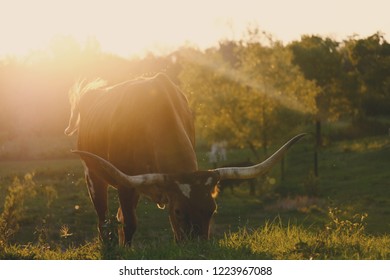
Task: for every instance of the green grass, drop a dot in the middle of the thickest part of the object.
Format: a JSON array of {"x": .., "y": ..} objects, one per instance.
[
  {"x": 271, "y": 241},
  {"x": 282, "y": 221}
]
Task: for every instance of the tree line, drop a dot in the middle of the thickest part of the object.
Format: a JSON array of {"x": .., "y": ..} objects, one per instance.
[{"x": 247, "y": 92}]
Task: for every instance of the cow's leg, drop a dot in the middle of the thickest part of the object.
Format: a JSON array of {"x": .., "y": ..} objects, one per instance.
[
  {"x": 97, "y": 189},
  {"x": 128, "y": 199},
  {"x": 121, "y": 233}
]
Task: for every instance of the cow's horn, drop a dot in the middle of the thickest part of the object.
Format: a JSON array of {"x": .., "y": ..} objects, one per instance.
[
  {"x": 258, "y": 169},
  {"x": 121, "y": 178}
]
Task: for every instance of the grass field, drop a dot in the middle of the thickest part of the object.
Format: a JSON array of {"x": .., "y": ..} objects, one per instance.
[{"x": 343, "y": 214}]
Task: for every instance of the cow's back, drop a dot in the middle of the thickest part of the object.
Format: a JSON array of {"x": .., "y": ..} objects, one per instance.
[{"x": 140, "y": 126}]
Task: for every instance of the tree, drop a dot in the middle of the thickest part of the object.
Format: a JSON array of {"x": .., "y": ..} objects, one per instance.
[
  {"x": 321, "y": 62},
  {"x": 237, "y": 92},
  {"x": 371, "y": 59},
  {"x": 214, "y": 95},
  {"x": 277, "y": 86}
]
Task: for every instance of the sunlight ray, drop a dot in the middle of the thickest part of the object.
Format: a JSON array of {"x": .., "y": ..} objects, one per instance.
[{"x": 259, "y": 85}]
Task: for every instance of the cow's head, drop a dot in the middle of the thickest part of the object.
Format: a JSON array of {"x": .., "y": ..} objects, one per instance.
[{"x": 190, "y": 196}]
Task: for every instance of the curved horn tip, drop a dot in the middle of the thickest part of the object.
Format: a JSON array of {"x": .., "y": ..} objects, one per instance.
[
  {"x": 78, "y": 152},
  {"x": 299, "y": 136},
  {"x": 295, "y": 139},
  {"x": 302, "y": 135},
  {"x": 85, "y": 153},
  {"x": 260, "y": 168},
  {"x": 81, "y": 152}
]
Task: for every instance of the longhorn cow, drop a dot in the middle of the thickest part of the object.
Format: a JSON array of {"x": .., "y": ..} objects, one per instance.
[{"x": 138, "y": 136}]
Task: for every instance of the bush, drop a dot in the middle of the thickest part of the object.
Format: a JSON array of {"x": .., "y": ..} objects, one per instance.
[{"x": 13, "y": 208}]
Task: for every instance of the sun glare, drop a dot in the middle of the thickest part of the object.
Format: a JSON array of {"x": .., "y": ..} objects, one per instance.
[
  {"x": 131, "y": 27},
  {"x": 126, "y": 28}
]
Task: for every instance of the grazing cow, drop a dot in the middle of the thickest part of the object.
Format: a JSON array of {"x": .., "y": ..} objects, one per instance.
[{"x": 138, "y": 136}]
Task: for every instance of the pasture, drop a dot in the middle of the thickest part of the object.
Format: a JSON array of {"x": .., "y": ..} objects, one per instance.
[{"x": 343, "y": 214}]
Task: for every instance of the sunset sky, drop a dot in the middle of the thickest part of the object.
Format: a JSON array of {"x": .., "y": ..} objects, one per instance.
[{"x": 133, "y": 27}]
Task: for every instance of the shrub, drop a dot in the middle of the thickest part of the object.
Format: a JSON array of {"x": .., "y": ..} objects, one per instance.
[{"x": 13, "y": 208}]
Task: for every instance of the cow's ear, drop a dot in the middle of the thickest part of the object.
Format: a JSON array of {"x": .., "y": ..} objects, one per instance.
[
  {"x": 208, "y": 180},
  {"x": 215, "y": 191},
  {"x": 211, "y": 183}
]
